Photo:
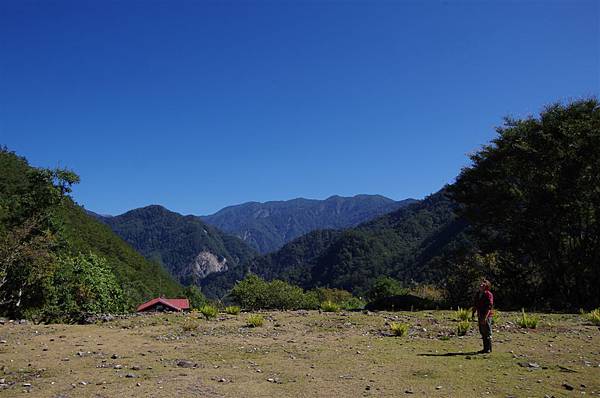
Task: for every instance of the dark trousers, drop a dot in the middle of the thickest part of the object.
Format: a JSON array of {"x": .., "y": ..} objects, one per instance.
[{"x": 485, "y": 328}]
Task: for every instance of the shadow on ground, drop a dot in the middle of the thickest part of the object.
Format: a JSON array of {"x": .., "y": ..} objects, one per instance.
[{"x": 450, "y": 354}]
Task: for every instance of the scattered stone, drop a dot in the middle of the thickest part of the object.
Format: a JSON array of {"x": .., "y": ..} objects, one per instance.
[
  {"x": 130, "y": 376},
  {"x": 83, "y": 383},
  {"x": 408, "y": 391},
  {"x": 3, "y": 341},
  {"x": 114, "y": 356},
  {"x": 438, "y": 388},
  {"x": 185, "y": 364},
  {"x": 118, "y": 367},
  {"x": 26, "y": 384},
  {"x": 567, "y": 386},
  {"x": 531, "y": 365},
  {"x": 222, "y": 380},
  {"x": 271, "y": 380},
  {"x": 136, "y": 367}
]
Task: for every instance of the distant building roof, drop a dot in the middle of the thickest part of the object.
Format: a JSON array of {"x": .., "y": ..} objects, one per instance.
[{"x": 174, "y": 304}]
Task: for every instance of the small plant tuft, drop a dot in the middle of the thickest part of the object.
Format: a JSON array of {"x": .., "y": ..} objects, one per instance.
[
  {"x": 329, "y": 306},
  {"x": 594, "y": 316},
  {"x": 527, "y": 321},
  {"x": 232, "y": 310},
  {"x": 255, "y": 320},
  {"x": 496, "y": 317},
  {"x": 399, "y": 329},
  {"x": 209, "y": 311},
  {"x": 463, "y": 327},
  {"x": 462, "y": 314},
  {"x": 189, "y": 325}
]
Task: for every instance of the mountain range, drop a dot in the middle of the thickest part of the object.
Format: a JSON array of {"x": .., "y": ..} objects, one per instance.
[{"x": 268, "y": 226}]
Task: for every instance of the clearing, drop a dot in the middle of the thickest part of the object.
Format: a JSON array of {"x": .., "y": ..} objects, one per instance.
[{"x": 299, "y": 354}]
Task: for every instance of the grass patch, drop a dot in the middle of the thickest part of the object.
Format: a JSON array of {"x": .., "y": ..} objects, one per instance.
[
  {"x": 189, "y": 325},
  {"x": 527, "y": 321},
  {"x": 594, "y": 316},
  {"x": 463, "y": 327},
  {"x": 399, "y": 329},
  {"x": 232, "y": 310},
  {"x": 209, "y": 311},
  {"x": 255, "y": 320},
  {"x": 496, "y": 317},
  {"x": 329, "y": 306},
  {"x": 462, "y": 314}
]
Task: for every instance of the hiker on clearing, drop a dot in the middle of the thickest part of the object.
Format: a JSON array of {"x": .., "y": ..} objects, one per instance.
[{"x": 484, "y": 304}]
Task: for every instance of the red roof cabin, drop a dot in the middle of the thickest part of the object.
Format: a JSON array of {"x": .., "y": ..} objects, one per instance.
[{"x": 164, "y": 304}]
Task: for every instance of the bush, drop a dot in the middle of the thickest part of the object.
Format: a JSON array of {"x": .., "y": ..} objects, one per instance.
[
  {"x": 399, "y": 329},
  {"x": 496, "y": 317},
  {"x": 354, "y": 303},
  {"x": 463, "y": 327},
  {"x": 255, "y": 320},
  {"x": 527, "y": 321},
  {"x": 337, "y": 296},
  {"x": 329, "y": 306},
  {"x": 462, "y": 314},
  {"x": 189, "y": 325},
  {"x": 594, "y": 316},
  {"x": 254, "y": 293},
  {"x": 383, "y": 287},
  {"x": 209, "y": 311},
  {"x": 232, "y": 310},
  {"x": 195, "y": 296}
]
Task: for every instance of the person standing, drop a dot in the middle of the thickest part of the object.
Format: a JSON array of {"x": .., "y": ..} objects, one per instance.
[{"x": 484, "y": 304}]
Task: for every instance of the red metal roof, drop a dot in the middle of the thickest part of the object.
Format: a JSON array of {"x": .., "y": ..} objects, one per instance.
[{"x": 175, "y": 304}]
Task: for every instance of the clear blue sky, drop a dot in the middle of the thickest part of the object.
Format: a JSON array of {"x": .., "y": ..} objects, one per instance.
[{"x": 198, "y": 105}]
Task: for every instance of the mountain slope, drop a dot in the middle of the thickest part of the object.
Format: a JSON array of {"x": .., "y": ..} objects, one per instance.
[
  {"x": 77, "y": 232},
  {"x": 188, "y": 248},
  {"x": 268, "y": 226},
  {"x": 406, "y": 244}
]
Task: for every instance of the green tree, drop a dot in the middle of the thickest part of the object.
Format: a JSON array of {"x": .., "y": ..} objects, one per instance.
[
  {"x": 533, "y": 196},
  {"x": 195, "y": 296},
  {"x": 383, "y": 287}
]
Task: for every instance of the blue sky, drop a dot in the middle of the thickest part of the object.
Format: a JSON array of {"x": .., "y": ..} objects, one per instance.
[{"x": 198, "y": 105}]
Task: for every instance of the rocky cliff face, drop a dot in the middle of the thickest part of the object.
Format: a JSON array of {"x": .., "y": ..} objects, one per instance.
[{"x": 206, "y": 263}]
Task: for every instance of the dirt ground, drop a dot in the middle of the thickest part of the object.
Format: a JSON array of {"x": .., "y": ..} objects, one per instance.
[{"x": 299, "y": 354}]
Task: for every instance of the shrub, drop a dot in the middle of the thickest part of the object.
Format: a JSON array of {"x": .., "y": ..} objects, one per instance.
[
  {"x": 255, "y": 293},
  {"x": 527, "y": 321},
  {"x": 496, "y": 317},
  {"x": 383, "y": 287},
  {"x": 463, "y": 327},
  {"x": 232, "y": 310},
  {"x": 594, "y": 316},
  {"x": 329, "y": 306},
  {"x": 194, "y": 294},
  {"x": 399, "y": 329},
  {"x": 255, "y": 320},
  {"x": 462, "y": 314},
  {"x": 337, "y": 296},
  {"x": 209, "y": 311},
  {"x": 189, "y": 325},
  {"x": 354, "y": 303}
]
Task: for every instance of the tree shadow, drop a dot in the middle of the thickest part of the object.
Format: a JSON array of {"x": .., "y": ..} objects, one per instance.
[{"x": 450, "y": 354}]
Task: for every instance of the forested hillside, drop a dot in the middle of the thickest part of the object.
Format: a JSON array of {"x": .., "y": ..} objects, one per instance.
[
  {"x": 268, "y": 226},
  {"x": 56, "y": 262},
  {"x": 188, "y": 248}
]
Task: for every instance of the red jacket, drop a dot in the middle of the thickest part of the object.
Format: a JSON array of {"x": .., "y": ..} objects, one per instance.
[{"x": 484, "y": 305}]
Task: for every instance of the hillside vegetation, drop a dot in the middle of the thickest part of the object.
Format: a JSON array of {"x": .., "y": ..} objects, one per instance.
[
  {"x": 56, "y": 262},
  {"x": 268, "y": 226},
  {"x": 186, "y": 246}
]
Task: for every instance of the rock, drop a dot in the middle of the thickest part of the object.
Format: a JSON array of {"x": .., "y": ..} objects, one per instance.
[
  {"x": 271, "y": 380},
  {"x": 26, "y": 384},
  {"x": 118, "y": 367},
  {"x": 408, "y": 391},
  {"x": 138, "y": 384},
  {"x": 222, "y": 380},
  {"x": 185, "y": 364},
  {"x": 567, "y": 386},
  {"x": 3, "y": 341},
  {"x": 83, "y": 383},
  {"x": 114, "y": 356},
  {"x": 438, "y": 388},
  {"x": 135, "y": 367},
  {"x": 130, "y": 376}
]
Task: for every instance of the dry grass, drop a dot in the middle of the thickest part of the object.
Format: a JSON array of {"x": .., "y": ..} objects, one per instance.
[{"x": 308, "y": 354}]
